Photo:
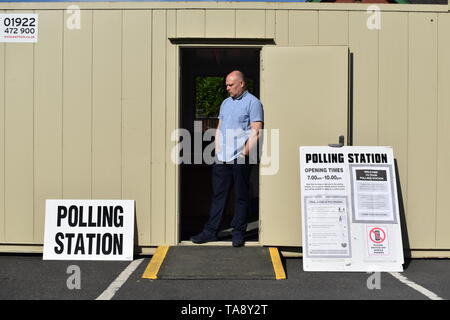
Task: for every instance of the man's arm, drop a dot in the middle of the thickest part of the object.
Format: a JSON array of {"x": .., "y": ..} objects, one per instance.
[
  {"x": 254, "y": 136},
  {"x": 217, "y": 137}
]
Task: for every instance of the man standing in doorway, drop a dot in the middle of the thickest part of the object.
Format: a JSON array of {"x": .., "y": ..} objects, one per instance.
[{"x": 240, "y": 121}]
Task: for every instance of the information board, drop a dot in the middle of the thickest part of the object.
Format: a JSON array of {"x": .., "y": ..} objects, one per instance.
[{"x": 349, "y": 207}]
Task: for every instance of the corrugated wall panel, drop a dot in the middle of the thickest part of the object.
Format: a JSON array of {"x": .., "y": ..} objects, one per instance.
[
  {"x": 136, "y": 116},
  {"x": 443, "y": 143},
  {"x": 47, "y": 116},
  {"x": 364, "y": 45},
  {"x": 422, "y": 133},
  {"x": 158, "y": 141},
  {"x": 220, "y": 23},
  {"x": 303, "y": 28},
  {"x": 190, "y": 23},
  {"x": 171, "y": 125},
  {"x": 270, "y": 24},
  {"x": 2, "y": 141},
  {"x": 107, "y": 105},
  {"x": 19, "y": 126},
  {"x": 282, "y": 27},
  {"x": 250, "y": 23},
  {"x": 77, "y": 110},
  {"x": 393, "y": 90},
  {"x": 333, "y": 28}
]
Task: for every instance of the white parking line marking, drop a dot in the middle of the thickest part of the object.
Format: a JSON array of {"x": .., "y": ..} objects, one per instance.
[
  {"x": 120, "y": 280},
  {"x": 415, "y": 286}
]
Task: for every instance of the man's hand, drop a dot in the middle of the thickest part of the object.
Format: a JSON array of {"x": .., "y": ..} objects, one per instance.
[{"x": 253, "y": 139}]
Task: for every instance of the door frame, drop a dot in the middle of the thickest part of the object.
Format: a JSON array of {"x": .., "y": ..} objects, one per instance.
[{"x": 194, "y": 45}]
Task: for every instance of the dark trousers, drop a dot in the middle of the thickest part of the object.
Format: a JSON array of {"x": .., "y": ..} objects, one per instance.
[{"x": 223, "y": 177}]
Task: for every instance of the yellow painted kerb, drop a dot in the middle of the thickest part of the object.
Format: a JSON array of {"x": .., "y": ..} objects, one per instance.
[
  {"x": 155, "y": 263},
  {"x": 277, "y": 265}
]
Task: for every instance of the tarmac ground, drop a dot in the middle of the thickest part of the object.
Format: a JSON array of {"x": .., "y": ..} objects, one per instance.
[{"x": 28, "y": 277}]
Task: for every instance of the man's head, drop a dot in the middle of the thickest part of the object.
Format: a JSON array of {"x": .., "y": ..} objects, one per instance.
[{"x": 235, "y": 83}]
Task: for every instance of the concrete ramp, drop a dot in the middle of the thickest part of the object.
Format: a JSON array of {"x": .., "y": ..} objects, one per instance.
[{"x": 215, "y": 262}]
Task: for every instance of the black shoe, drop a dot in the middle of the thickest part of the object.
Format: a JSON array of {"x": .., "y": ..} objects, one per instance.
[
  {"x": 238, "y": 242},
  {"x": 203, "y": 237}
]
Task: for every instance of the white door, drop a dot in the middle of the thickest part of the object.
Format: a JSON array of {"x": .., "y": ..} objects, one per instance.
[{"x": 304, "y": 91}]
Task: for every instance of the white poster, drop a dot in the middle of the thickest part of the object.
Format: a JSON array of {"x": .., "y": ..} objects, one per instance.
[
  {"x": 89, "y": 230},
  {"x": 327, "y": 227},
  {"x": 350, "y": 215},
  {"x": 372, "y": 193},
  {"x": 18, "y": 27}
]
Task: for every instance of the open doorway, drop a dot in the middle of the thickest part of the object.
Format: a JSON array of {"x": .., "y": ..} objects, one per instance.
[{"x": 202, "y": 87}]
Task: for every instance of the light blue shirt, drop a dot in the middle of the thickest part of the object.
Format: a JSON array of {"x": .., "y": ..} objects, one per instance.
[{"x": 236, "y": 115}]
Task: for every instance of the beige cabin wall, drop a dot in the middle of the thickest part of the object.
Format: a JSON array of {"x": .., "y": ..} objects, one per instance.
[{"x": 89, "y": 113}]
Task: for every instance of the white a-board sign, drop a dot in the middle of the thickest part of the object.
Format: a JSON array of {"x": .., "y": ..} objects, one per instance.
[
  {"x": 350, "y": 212},
  {"x": 89, "y": 230}
]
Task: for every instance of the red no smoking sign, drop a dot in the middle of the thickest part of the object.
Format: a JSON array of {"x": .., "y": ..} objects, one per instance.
[{"x": 377, "y": 235}]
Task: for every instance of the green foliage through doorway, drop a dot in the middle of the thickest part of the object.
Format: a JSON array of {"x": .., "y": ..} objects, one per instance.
[{"x": 209, "y": 94}]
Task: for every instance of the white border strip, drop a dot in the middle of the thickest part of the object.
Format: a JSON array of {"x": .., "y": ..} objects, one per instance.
[
  {"x": 415, "y": 286},
  {"x": 120, "y": 280}
]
